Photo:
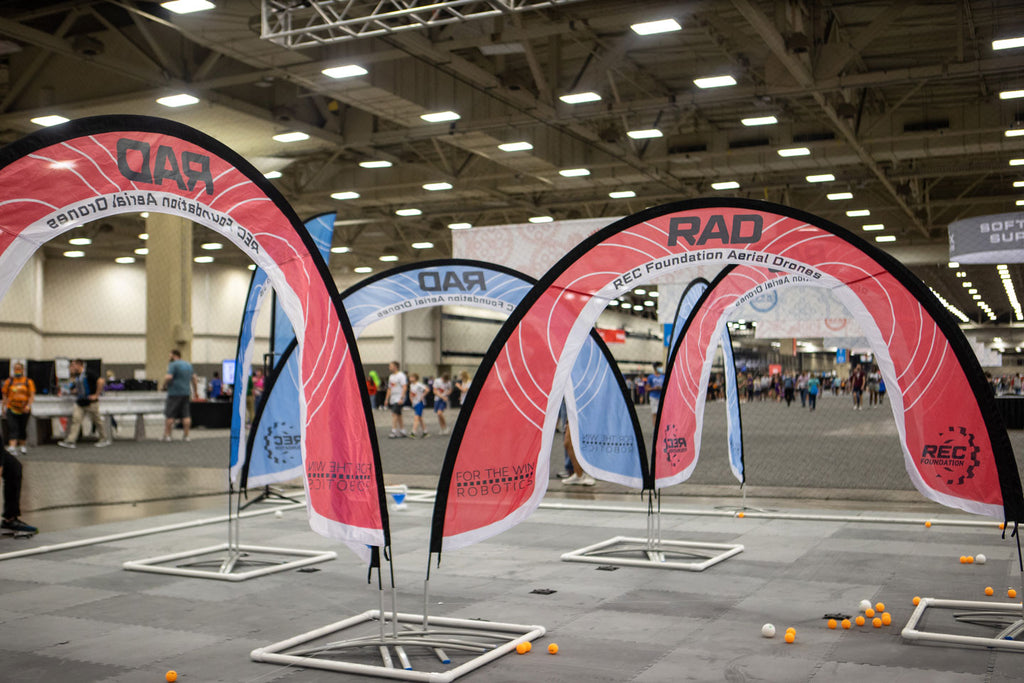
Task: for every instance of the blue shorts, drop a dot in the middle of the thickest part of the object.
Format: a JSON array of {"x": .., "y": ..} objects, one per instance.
[
  {"x": 440, "y": 405},
  {"x": 418, "y": 409}
]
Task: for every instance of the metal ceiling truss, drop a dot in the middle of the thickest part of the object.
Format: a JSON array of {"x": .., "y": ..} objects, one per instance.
[{"x": 293, "y": 24}]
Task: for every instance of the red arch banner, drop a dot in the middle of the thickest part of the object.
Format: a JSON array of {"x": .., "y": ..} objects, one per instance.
[
  {"x": 514, "y": 399},
  {"x": 56, "y": 179}
]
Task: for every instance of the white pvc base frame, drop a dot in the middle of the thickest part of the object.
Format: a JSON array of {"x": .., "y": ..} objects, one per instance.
[
  {"x": 229, "y": 566},
  {"x": 1009, "y": 613},
  {"x": 658, "y": 554},
  {"x": 489, "y": 639}
]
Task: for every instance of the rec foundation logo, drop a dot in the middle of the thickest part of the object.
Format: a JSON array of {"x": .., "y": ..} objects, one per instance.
[
  {"x": 954, "y": 455},
  {"x": 675, "y": 446}
]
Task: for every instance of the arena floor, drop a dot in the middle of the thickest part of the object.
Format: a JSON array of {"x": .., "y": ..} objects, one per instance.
[{"x": 75, "y": 614}]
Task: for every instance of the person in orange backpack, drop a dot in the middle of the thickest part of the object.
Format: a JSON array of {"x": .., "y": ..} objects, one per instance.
[{"x": 19, "y": 392}]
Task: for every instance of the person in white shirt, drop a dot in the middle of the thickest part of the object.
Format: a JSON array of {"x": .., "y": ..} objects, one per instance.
[
  {"x": 398, "y": 390},
  {"x": 442, "y": 390},
  {"x": 417, "y": 393}
]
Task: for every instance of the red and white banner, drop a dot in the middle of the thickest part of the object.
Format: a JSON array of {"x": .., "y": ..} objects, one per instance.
[
  {"x": 956, "y": 450},
  {"x": 57, "y": 179}
]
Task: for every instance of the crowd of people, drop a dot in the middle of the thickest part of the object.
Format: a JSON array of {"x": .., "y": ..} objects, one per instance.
[{"x": 402, "y": 390}]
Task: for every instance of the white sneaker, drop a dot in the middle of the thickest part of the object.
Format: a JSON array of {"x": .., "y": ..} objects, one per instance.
[
  {"x": 571, "y": 480},
  {"x": 66, "y": 444},
  {"x": 166, "y": 439},
  {"x": 586, "y": 480},
  {"x": 104, "y": 443},
  {"x": 24, "y": 451}
]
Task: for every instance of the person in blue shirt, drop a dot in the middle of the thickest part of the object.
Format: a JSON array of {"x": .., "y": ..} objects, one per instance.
[
  {"x": 655, "y": 381},
  {"x": 181, "y": 387},
  {"x": 216, "y": 387}
]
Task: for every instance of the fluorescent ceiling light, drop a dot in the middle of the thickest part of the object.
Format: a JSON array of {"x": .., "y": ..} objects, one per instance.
[
  {"x": 613, "y": 303},
  {"x": 836, "y": 196},
  {"x": 644, "y": 134},
  {"x": 74, "y": 254},
  {"x": 187, "y": 6},
  {"x": 251, "y": 266},
  {"x": 346, "y": 71},
  {"x": 1008, "y": 43},
  {"x": 637, "y": 308},
  {"x": 821, "y": 178},
  {"x": 144, "y": 214},
  {"x": 649, "y": 28},
  {"x": 580, "y": 97},
  {"x": 203, "y": 259},
  {"x": 388, "y": 258},
  {"x": 541, "y": 219},
  {"x": 1016, "y": 162},
  {"x": 648, "y": 303},
  {"x": 379, "y": 163},
  {"x": 1014, "y": 132},
  {"x": 1019, "y": 202},
  {"x": 976, "y": 297},
  {"x": 1018, "y": 183},
  {"x": 142, "y": 251},
  {"x": 794, "y": 152},
  {"x": 726, "y": 185},
  {"x": 291, "y": 136},
  {"x": 885, "y": 238},
  {"x": 858, "y": 213},
  {"x": 714, "y": 82},
  {"x": 1011, "y": 94},
  {"x": 49, "y": 120},
  {"x": 143, "y": 235},
  {"x": 870, "y": 227},
  {"x": 363, "y": 269},
  {"x": 515, "y": 147},
  {"x": 653, "y": 293},
  {"x": 345, "y": 195},
  {"x": 460, "y": 226},
  {"x": 440, "y": 116},
  {"x": 340, "y": 250},
  {"x": 574, "y": 172},
  {"x": 408, "y": 212},
  {"x": 422, "y": 245},
  {"x": 273, "y": 175},
  {"x": 759, "y": 121},
  {"x": 953, "y": 264},
  {"x": 972, "y": 290},
  {"x": 639, "y": 291},
  {"x": 211, "y": 246},
  {"x": 436, "y": 187},
  {"x": 125, "y": 259},
  {"x": 622, "y": 194},
  {"x": 180, "y": 100},
  {"x": 80, "y": 241}
]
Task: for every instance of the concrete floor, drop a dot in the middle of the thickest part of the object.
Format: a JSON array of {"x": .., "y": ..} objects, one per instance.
[{"x": 75, "y": 614}]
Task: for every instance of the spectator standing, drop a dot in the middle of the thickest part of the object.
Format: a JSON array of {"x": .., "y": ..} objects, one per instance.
[
  {"x": 180, "y": 383},
  {"x": 216, "y": 388},
  {"x": 655, "y": 382},
  {"x": 397, "y": 393},
  {"x": 417, "y": 396},
  {"x": 857, "y": 381},
  {"x": 86, "y": 388},
  {"x": 18, "y": 394},
  {"x": 442, "y": 391}
]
